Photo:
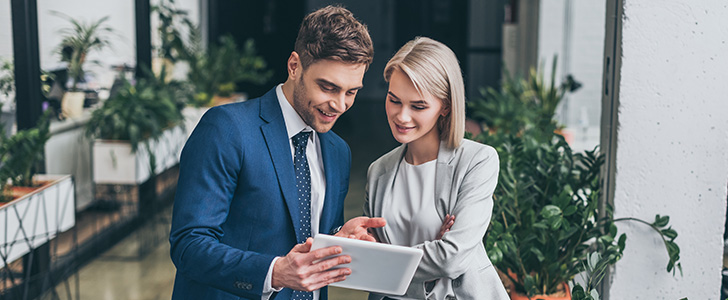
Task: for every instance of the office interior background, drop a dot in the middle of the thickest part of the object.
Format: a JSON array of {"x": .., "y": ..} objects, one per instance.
[{"x": 643, "y": 81}]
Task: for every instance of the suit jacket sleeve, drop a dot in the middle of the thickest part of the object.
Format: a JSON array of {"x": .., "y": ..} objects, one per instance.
[
  {"x": 209, "y": 168},
  {"x": 473, "y": 209}
]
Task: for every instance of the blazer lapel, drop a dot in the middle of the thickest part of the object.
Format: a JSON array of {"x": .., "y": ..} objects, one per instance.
[
  {"x": 385, "y": 184},
  {"x": 333, "y": 181},
  {"x": 443, "y": 179},
  {"x": 276, "y": 139}
]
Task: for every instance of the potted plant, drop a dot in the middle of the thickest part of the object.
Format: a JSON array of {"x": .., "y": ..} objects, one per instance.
[
  {"x": 547, "y": 225},
  {"x": 45, "y": 203},
  {"x": 546, "y": 216},
  {"x": 521, "y": 103},
  {"x": 171, "y": 48},
  {"x": 214, "y": 73},
  {"x": 137, "y": 132},
  {"x": 78, "y": 42}
]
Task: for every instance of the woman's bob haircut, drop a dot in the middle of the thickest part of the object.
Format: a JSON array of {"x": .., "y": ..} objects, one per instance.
[{"x": 434, "y": 69}]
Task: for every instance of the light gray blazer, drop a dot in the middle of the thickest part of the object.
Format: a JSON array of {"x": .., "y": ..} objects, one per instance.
[{"x": 465, "y": 180}]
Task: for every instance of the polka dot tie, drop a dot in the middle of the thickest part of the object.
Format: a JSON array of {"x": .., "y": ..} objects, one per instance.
[{"x": 303, "y": 186}]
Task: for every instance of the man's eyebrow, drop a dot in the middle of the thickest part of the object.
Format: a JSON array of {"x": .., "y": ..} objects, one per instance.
[{"x": 326, "y": 82}]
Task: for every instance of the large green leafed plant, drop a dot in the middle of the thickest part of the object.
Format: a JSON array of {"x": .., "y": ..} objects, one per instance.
[
  {"x": 547, "y": 226},
  {"x": 138, "y": 112},
  {"x": 21, "y": 153}
]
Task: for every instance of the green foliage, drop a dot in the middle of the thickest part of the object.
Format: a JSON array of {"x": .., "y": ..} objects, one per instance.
[
  {"x": 546, "y": 220},
  {"x": 546, "y": 210},
  {"x": 21, "y": 153},
  {"x": 172, "y": 22},
  {"x": 217, "y": 70},
  {"x": 520, "y": 104},
  {"x": 7, "y": 78},
  {"x": 547, "y": 223},
  {"x": 138, "y": 112},
  {"x": 78, "y": 41}
]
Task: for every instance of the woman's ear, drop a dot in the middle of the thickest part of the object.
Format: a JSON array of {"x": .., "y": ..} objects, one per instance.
[
  {"x": 445, "y": 110},
  {"x": 293, "y": 65}
]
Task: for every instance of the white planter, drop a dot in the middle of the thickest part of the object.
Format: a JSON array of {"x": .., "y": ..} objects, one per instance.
[
  {"x": 115, "y": 163},
  {"x": 192, "y": 117},
  {"x": 72, "y": 104},
  {"x": 36, "y": 218}
]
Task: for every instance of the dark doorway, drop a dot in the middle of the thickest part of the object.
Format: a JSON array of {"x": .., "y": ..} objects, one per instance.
[{"x": 444, "y": 21}]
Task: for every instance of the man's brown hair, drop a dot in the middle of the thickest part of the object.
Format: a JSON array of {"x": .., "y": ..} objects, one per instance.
[{"x": 333, "y": 33}]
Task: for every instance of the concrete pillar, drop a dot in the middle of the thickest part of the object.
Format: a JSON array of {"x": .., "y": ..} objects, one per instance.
[{"x": 671, "y": 138}]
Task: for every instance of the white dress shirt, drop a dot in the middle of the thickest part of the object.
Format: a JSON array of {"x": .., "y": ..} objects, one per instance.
[{"x": 294, "y": 125}]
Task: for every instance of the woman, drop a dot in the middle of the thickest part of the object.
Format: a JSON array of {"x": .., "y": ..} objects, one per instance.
[{"x": 433, "y": 177}]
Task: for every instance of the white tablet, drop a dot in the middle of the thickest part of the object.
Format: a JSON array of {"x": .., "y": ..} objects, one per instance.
[{"x": 375, "y": 267}]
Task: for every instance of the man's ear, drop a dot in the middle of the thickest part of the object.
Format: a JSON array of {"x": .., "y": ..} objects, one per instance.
[{"x": 294, "y": 65}]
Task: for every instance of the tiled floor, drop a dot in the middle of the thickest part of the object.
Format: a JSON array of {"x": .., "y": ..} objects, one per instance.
[{"x": 120, "y": 273}]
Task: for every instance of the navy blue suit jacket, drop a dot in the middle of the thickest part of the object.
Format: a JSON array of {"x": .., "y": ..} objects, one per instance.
[{"x": 236, "y": 203}]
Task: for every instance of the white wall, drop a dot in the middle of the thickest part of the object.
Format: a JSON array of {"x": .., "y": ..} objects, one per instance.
[{"x": 671, "y": 145}]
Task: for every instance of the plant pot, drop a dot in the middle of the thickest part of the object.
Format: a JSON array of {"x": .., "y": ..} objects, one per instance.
[
  {"x": 192, "y": 117},
  {"x": 37, "y": 216},
  {"x": 72, "y": 104},
  {"x": 115, "y": 163},
  {"x": 561, "y": 295},
  {"x": 234, "y": 97}
]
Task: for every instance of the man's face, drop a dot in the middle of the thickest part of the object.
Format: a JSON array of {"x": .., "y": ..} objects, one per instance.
[{"x": 325, "y": 90}]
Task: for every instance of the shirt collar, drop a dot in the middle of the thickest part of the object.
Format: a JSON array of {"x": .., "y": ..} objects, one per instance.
[{"x": 294, "y": 123}]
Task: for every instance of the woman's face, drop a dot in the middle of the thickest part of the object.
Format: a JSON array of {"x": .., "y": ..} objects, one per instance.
[{"x": 411, "y": 116}]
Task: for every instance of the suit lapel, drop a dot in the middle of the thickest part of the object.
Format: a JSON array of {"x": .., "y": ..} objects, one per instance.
[
  {"x": 385, "y": 185},
  {"x": 443, "y": 179},
  {"x": 333, "y": 181},
  {"x": 279, "y": 148}
]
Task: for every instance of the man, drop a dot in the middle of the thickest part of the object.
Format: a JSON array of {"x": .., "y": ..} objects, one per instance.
[{"x": 258, "y": 178}]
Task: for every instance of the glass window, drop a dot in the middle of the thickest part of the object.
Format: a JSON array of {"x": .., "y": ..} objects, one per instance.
[{"x": 573, "y": 31}]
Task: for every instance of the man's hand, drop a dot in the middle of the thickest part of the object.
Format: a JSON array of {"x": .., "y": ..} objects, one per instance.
[
  {"x": 303, "y": 270},
  {"x": 446, "y": 225},
  {"x": 356, "y": 228}
]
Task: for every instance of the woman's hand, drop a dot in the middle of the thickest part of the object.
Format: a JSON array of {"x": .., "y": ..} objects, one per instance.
[{"x": 446, "y": 225}]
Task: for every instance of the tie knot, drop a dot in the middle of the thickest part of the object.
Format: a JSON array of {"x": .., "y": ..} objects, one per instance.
[{"x": 301, "y": 139}]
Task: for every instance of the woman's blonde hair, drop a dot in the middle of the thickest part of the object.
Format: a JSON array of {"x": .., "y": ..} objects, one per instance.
[{"x": 434, "y": 68}]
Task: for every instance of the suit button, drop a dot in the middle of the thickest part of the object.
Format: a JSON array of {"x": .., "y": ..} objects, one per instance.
[{"x": 243, "y": 285}]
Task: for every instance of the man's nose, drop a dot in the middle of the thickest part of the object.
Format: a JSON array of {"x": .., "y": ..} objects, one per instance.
[{"x": 338, "y": 103}]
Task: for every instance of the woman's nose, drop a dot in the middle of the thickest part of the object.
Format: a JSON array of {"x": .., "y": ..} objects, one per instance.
[{"x": 403, "y": 116}]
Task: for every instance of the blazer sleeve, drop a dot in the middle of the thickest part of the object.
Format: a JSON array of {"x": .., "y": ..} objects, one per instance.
[
  {"x": 209, "y": 168},
  {"x": 449, "y": 257}
]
